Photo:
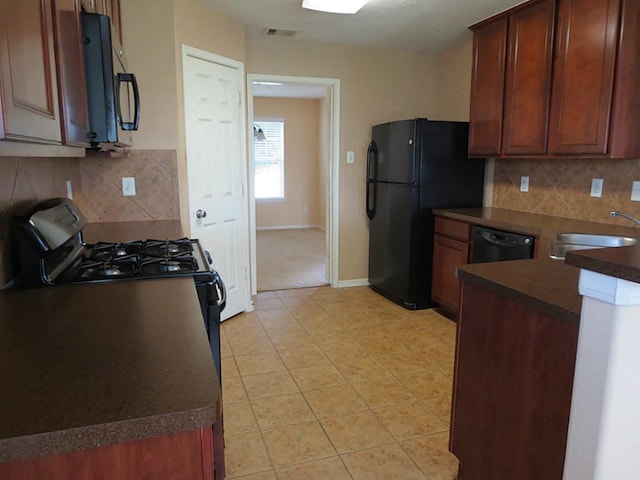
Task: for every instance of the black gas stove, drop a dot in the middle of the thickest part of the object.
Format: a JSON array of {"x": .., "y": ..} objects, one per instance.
[{"x": 51, "y": 251}]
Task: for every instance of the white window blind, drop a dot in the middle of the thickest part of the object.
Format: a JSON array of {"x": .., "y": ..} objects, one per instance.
[{"x": 269, "y": 161}]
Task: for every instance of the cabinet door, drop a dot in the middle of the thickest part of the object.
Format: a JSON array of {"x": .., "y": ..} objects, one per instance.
[
  {"x": 27, "y": 72},
  {"x": 487, "y": 88},
  {"x": 447, "y": 255},
  {"x": 528, "y": 79},
  {"x": 586, "y": 42},
  {"x": 72, "y": 91},
  {"x": 512, "y": 388}
]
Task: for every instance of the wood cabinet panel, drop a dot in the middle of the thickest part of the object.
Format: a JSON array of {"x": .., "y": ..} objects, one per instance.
[
  {"x": 487, "y": 88},
  {"x": 453, "y": 228},
  {"x": 448, "y": 254},
  {"x": 624, "y": 141},
  {"x": 586, "y": 44},
  {"x": 528, "y": 79},
  {"x": 512, "y": 388},
  {"x": 27, "y": 71},
  {"x": 180, "y": 456},
  {"x": 71, "y": 82}
]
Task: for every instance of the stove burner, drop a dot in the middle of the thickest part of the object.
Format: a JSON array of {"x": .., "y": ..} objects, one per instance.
[
  {"x": 95, "y": 270},
  {"x": 167, "y": 248},
  {"x": 184, "y": 262},
  {"x": 112, "y": 271}
]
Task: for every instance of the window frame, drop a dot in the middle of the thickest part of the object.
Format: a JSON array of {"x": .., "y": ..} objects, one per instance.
[{"x": 259, "y": 121}]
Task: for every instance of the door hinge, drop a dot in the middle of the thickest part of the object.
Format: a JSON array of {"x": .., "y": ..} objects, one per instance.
[
  {"x": 239, "y": 97},
  {"x": 242, "y": 184}
]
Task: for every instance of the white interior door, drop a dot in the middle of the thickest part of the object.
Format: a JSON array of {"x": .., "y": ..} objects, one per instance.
[{"x": 216, "y": 170}]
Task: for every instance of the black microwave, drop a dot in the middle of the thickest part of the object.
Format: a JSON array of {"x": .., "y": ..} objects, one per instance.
[{"x": 113, "y": 99}]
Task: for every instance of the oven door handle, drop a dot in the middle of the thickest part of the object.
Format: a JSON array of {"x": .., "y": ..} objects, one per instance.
[{"x": 221, "y": 289}]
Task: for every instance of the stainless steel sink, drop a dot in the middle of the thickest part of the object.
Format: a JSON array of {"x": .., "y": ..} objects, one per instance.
[
  {"x": 565, "y": 242},
  {"x": 596, "y": 240}
]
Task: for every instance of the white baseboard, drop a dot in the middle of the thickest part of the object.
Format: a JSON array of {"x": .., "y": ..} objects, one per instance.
[
  {"x": 358, "y": 282},
  {"x": 290, "y": 227}
]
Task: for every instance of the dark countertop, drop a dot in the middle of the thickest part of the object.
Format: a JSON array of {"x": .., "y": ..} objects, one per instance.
[
  {"x": 549, "y": 286},
  {"x": 545, "y": 285},
  {"x": 90, "y": 365},
  {"x": 619, "y": 262},
  {"x": 83, "y": 366},
  {"x": 543, "y": 226}
]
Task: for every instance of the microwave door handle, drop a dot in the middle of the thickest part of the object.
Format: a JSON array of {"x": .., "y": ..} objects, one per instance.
[{"x": 131, "y": 78}]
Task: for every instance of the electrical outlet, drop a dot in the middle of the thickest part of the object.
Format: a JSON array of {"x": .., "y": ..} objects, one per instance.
[
  {"x": 69, "y": 190},
  {"x": 596, "y": 187},
  {"x": 524, "y": 184},
  {"x": 635, "y": 192},
  {"x": 351, "y": 157},
  {"x": 129, "y": 186}
]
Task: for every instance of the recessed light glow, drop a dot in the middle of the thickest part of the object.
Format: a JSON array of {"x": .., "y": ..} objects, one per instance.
[
  {"x": 334, "y": 6},
  {"x": 268, "y": 83}
]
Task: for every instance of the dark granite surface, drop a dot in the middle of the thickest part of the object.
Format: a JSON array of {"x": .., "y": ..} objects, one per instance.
[
  {"x": 545, "y": 227},
  {"x": 546, "y": 285},
  {"x": 89, "y": 365},
  {"x": 620, "y": 262}
]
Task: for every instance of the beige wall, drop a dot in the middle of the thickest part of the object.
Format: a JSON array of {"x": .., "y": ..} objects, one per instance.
[
  {"x": 301, "y": 162},
  {"x": 454, "y": 83},
  {"x": 154, "y": 31},
  {"x": 376, "y": 86}
]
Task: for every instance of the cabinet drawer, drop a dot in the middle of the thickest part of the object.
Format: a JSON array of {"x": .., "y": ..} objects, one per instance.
[{"x": 453, "y": 228}]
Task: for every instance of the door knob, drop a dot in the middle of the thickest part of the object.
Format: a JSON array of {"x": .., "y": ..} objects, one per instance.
[{"x": 201, "y": 213}]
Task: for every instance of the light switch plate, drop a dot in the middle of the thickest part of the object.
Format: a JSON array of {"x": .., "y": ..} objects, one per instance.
[
  {"x": 351, "y": 157},
  {"x": 596, "y": 187},
  {"x": 524, "y": 184},
  {"x": 128, "y": 186},
  {"x": 635, "y": 192},
  {"x": 69, "y": 190}
]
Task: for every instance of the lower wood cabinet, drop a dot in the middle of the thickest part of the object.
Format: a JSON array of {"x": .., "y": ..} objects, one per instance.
[
  {"x": 447, "y": 255},
  {"x": 179, "y": 456},
  {"x": 450, "y": 249},
  {"x": 512, "y": 389}
]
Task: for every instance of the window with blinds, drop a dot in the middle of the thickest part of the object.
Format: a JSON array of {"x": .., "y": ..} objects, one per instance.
[{"x": 269, "y": 160}]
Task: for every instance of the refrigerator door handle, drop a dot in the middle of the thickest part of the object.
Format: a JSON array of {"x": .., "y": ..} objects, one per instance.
[{"x": 372, "y": 179}]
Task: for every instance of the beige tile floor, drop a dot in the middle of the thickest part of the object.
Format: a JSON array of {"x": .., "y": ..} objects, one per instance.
[{"x": 322, "y": 383}]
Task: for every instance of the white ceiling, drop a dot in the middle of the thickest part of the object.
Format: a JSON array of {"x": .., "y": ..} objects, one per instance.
[{"x": 413, "y": 25}]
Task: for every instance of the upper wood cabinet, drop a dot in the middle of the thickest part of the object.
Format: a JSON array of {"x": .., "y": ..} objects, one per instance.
[
  {"x": 28, "y": 72},
  {"x": 573, "y": 95},
  {"x": 70, "y": 63},
  {"x": 487, "y": 88},
  {"x": 42, "y": 73},
  {"x": 528, "y": 79}
]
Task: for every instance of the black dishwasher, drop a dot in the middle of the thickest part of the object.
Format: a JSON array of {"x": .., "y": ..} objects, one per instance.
[{"x": 491, "y": 245}]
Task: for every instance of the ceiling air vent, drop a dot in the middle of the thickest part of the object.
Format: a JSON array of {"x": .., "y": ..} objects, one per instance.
[{"x": 280, "y": 32}]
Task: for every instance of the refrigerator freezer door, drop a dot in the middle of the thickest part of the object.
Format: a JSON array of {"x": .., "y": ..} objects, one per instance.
[
  {"x": 399, "y": 236},
  {"x": 449, "y": 179},
  {"x": 396, "y": 156}
]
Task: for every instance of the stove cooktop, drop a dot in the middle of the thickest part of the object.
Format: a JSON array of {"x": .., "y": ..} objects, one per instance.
[{"x": 139, "y": 259}]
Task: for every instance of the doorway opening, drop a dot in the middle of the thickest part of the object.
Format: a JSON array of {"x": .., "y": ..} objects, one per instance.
[{"x": 293, "y": 178}]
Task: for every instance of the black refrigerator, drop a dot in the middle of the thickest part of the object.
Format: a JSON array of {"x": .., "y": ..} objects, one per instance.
[{"x": 414, "y": 166}]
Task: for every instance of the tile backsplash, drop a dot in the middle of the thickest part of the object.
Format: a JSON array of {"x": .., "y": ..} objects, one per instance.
[
  {"x": 156, "y": 183},
  {"x": 97, "y": 189},
  {"x": 25, "y": 182},
  {"x": 561, "y": 187}
]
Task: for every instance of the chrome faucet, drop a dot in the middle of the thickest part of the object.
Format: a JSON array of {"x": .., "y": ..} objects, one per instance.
[{"x": 625, "y": 215}]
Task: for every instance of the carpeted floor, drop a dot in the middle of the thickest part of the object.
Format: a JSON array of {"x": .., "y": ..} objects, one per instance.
[{"x": 291, "y": 259}]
